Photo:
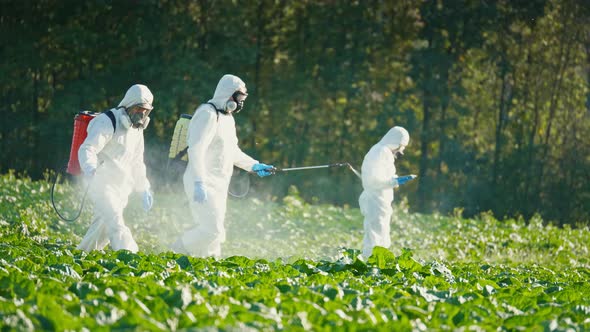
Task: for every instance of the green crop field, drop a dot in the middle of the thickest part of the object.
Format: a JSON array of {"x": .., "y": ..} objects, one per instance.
[{"x": 287, "y": 265}]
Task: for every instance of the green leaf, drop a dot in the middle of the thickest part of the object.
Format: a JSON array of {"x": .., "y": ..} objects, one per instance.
[{"x": 382, "y": 258}]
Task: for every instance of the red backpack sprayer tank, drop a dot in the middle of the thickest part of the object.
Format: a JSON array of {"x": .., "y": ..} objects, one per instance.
[{"x": 81, "y": 121}]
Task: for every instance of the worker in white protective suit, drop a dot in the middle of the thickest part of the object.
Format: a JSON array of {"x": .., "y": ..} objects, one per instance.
[
  {"x": 212, "y": 153},
  {"x": 111, "y": 159},
  {"x": 379, "y": 178}
]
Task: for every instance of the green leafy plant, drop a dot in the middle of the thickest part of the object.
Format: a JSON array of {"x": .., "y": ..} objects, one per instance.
[{"x": 288, "y": 265}]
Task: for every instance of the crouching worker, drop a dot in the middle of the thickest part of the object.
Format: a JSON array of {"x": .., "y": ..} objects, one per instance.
[
  {"x": 111, "y": 159},
  {"x": 379, "y": 178},
  {"x": 212, "y": 153}
]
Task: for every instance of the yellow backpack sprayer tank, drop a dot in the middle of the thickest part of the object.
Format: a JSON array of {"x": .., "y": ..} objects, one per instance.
[
  {"x": 178, "y": 145},
  {"x": 178, "y": 156}
]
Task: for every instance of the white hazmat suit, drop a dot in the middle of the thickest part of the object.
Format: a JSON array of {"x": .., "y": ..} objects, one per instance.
[
  {"x": 378, "y": 176},
  {"x": 114, "y": 163},
  {"x": 212, "y": 153}
]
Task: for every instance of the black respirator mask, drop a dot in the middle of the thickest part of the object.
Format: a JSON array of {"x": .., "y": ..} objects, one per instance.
[
  {"x": 139, "y": 116},
  {"x": 236, "y": 103},
  {"x": 397, "y": 153}
]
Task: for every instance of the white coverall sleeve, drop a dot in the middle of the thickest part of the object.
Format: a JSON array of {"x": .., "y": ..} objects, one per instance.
[
  {"x": 242, "y": 160},
  {"x": 100, "y": 132},
  {"x": 202, "y": 129},
  {"x": 374, "y": 176},
  {"x": 141, "y": 182}
]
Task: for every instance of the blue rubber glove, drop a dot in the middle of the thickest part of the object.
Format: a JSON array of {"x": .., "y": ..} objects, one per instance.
[
  {"x": 200, "y": 194},
  {"x": 148, "y": 200},
  {"x": 263, "y": 169},
  {"x": 403, "y": 180}
]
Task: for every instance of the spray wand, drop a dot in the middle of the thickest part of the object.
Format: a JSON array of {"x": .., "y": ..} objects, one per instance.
[
  {"x": 399, "y": 181},
  {"x": 291, "y": 169}
]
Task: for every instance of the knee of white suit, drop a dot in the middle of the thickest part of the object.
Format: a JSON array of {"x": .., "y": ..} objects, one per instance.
[
  {"x": 202, "y": 235},
  {"x": 201, "y": 241},
  {"x": 120, "y": 237},
  {"x": 210, "y": 219},
  {"x": 96, "y": 237},
  {"x": 378, "y": 226}
]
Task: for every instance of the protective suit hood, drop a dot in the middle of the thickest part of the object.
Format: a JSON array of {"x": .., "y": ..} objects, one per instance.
[
  {"x": 138, "y": 95},
  {"x": 226, "y": 87},
  {"x": 395, "y": 137}
]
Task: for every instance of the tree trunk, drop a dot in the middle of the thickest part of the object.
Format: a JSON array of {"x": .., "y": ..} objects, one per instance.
[
  {"x": 258, "y": 61},
  {"x": 564, "y": 53},
  {"x": 556, "y": 90},
  {"x": 529, "y": 186},
  {"x": 423, "y": 185},
  {"x": 204, "y": 20},
  {"x": 500, "y": 123},
  {"x": 442, "y": 134}
]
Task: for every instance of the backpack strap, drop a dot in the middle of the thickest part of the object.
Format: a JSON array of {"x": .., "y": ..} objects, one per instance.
[
  {"x": 217, "y": 110},
  {"x": 111, "y": 116},
  {"x": 181, "y": 154}
]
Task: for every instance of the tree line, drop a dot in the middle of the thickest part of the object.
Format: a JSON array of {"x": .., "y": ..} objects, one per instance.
[{"x": 493, "y": 93}]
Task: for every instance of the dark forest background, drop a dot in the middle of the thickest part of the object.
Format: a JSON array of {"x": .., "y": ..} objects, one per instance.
[{"x": 494, "y": 93}]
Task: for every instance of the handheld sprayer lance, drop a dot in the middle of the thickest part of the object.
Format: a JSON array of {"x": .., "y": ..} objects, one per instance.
[
  {"x": 400, "y": 180},
  {"x": 277, "y": 169}
]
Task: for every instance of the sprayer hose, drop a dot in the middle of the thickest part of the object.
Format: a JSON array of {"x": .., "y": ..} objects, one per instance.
[{"x": 53, "y": 200}]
